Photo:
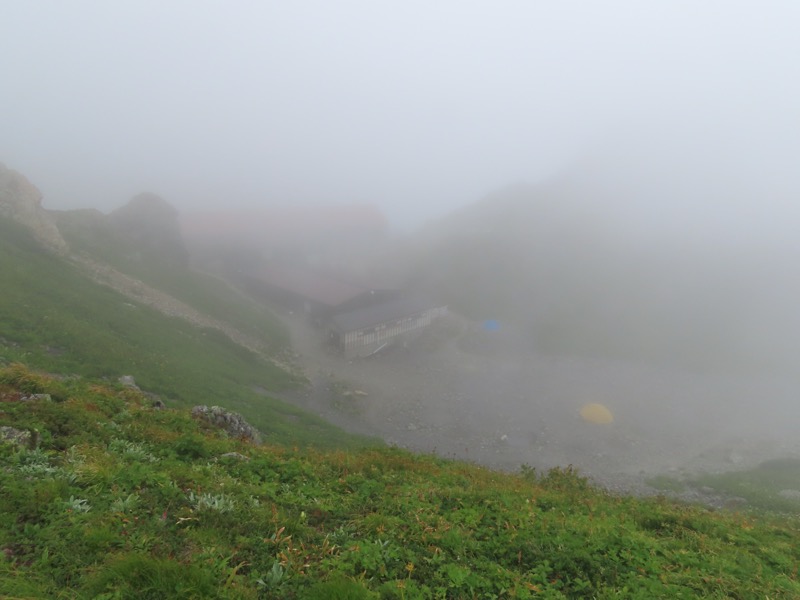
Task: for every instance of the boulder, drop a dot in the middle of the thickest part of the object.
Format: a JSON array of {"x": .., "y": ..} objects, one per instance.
[
  {"x": 42, "y": 397},
  {"x": 790, "y": 494},
  {"x": 235, "y": 456},
  {"x": 230, "y": 422},
  {"x": 128, "y": 381},
  {"x": 24, "y": 438}
]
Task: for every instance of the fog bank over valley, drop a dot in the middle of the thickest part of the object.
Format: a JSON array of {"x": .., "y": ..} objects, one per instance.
[{"x": 474, "y": 219}]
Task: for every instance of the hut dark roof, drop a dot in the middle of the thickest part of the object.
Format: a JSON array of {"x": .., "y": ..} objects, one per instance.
[{"x": 375, "y": 314}]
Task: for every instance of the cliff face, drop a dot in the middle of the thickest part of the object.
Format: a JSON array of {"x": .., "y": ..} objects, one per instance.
[{"x": 21, "y": 201}]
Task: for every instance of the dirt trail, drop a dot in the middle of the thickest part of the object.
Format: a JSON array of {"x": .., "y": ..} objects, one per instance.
[
  {"x": 139, "y": 291},
  {"x": 465, "y": 393}
]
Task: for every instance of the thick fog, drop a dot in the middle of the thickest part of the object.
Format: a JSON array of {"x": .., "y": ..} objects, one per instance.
[
  {"x": 415, "y": 107},
  {"x": 612, "y": 186}
]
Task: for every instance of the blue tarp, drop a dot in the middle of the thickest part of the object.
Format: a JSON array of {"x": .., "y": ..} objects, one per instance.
[{"x": 491, "y": 325}]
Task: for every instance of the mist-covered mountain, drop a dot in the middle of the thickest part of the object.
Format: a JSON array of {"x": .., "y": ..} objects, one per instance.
[
  {"x": 337, "y": 237},
  {"x": 111, "y": 486},
  {"x": 144, "y": 231},
  {"x": 582, "y": 265},
  {"x": 113, "y": 296}
]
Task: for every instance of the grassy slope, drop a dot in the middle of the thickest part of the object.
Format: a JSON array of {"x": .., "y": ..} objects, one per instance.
[
  {"x": 53, "y": 317},
  {"x": 201, "y": 291},
  {"x": 123, "y": 501},
  {"x": 773, "y": 484}
]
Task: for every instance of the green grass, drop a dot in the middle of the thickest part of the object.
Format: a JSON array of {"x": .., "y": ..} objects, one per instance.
[
  {"x": 203, "y": 292},
  {"x": 55, "y": 318},
  {"x": 124, "y": 501},
  {"x": 762, "y": 485}
]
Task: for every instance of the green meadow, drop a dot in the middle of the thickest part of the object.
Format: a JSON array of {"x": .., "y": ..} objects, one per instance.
[
  {"x": 121, "y": 500},
  {"x": 55, "y": 318}
]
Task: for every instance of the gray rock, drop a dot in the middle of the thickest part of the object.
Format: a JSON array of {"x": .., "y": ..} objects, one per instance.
[
  {"x": 790, "y": 494},
  {"x": 43, "y": 397},
  {"x": 21, "y": 201},
  {"x": 735, "y": 458},
  {"x": 128, "y": 381},
  {"x": 23, "y": 438},
  {"x": 230, "y": 422},
  {"x": 235, "y": 456}
]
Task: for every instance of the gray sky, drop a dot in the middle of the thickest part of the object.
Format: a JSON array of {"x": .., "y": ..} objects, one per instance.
[{"x": 416, "y": 106}]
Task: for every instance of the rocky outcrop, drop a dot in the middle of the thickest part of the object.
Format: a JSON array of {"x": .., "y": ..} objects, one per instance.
[
  {"x": 235, "y": 456},
  {"x": 149, "y": 224},
  {"x": 21, "y": 201},
  {"x": 230, "y": 422},
  {"x": 24, "y": 438},
  {"x": 129, "y": 382},
  {"x": 32, "y": 397},
  {"x": 146, "y": 229}
]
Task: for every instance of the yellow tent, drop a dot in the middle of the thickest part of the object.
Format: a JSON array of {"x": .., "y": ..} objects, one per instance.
[{"x": 597, "y": 413}]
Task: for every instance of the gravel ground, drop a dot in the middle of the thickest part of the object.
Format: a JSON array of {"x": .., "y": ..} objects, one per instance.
[{"x": 462, "y": 392}]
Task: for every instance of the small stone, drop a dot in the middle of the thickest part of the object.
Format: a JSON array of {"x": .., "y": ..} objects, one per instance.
[
  {"x": 20, "y": 437},
  {"x": 42, "y": 397},
  {"x": 232, "y": 423},
  {"x": 128, "y": 381},
  {"x": 235, "y": 456},
  {"x": 736, "y": 458}
]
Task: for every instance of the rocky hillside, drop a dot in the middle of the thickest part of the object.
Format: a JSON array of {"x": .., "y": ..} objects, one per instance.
[
  {"x": 93, "y": 309},
  {"x": 21, "y": 201},
  {"x": 144, "y": 230},
  {"x": 138, "y": 250},
  {"x": 148, "y": 224}
]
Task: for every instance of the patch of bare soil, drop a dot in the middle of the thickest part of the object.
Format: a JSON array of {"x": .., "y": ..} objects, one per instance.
[{"x": 486, "y": 397}]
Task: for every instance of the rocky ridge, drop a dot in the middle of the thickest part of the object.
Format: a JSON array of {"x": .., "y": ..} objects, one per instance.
[
  {"x": 149, "y": 224},
  {"x": 21, "y": 201},
  {"x": 230, "y": 422},
  {"x": 146, "y": 218}
]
